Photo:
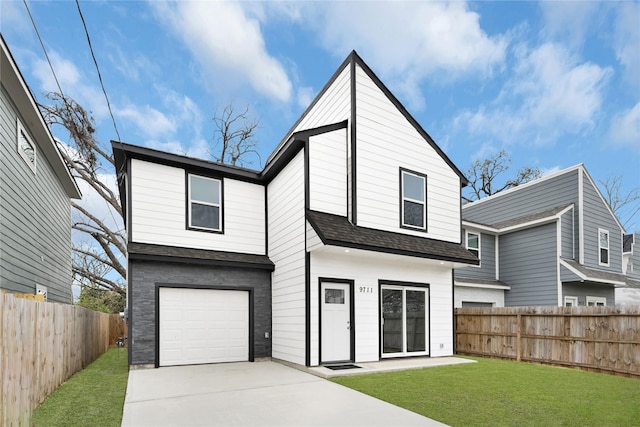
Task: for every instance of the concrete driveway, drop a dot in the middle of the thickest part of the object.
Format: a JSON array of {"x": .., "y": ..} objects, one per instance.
[{"x": 252, "y": 394}]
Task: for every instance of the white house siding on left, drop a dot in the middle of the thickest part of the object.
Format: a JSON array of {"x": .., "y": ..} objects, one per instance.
[
  {"x": 328, "y": 172},
  {"x": 287, "y": 251},
  {"x": 366, "y": 269},
  {"x": 386, "y": 141},
  {"x": 160, "y": 188}
]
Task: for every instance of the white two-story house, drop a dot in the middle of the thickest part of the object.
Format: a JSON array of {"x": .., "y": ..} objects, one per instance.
[{"x": 342, "y": 249}]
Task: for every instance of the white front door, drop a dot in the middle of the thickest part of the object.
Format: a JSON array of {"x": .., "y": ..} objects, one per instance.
[{"x": 335, "y": 322}]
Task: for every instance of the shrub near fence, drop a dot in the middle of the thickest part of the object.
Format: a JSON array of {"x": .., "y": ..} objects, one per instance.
[
  {"x": 43, "y": 344},
  {"x": 604, "y": 339}
]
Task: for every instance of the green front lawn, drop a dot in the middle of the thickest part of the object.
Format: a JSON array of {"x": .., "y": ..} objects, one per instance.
[
  {"x": 91, "y": 397},
  {"x": 506, "y": 393}
]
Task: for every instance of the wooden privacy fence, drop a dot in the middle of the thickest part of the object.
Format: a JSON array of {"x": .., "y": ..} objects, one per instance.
[
  {"x": 43, "y": 344},
  {"x": 604, "y": 339}
]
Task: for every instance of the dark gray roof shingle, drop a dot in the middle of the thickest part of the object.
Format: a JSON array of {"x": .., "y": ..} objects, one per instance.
[
  {"x": 338, "y": 231},
  {"x": 593, "y": 275},
  {"x": 145, "y": 251}
]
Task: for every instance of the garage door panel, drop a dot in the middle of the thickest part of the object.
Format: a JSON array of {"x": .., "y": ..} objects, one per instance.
[{"x": 203, "y": 326}]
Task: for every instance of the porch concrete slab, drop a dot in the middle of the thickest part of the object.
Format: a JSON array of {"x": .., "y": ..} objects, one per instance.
[
  {"x": 252, "y": 394},
  {"x": 389, "y": 365}
]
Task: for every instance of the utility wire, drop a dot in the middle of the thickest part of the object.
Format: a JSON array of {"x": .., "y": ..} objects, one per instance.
[{"x": 98, "y": 70}]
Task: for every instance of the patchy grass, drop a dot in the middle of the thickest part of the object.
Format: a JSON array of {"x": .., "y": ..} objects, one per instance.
[
  {"x": 507, "y": 393},
  {"x": 91, "y": 397}
]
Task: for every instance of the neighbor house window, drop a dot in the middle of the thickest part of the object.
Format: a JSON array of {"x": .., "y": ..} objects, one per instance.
[
  {"x": 570, "y": 301},
  {"x": 596, "y": 301},
  {"x": 473, "y": 243},
  {"x": 205, "y": 203},
  {"x": 603, "y": 246},
  {"x": 414, "y": 196},
  {"x": 26, "y": 147}
]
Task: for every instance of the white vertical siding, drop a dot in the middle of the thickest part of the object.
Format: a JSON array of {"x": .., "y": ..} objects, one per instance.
[
  {"x": 386, "y": 141},
  {"x": 366, "y": 269},
  {"x": 158, "y": 203},
  {"x": 328, "y": 172},
  {"x": 334, "y": 106},
  {"x": 285, "y": 197}
]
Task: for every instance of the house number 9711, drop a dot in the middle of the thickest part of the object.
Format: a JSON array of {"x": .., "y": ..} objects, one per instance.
[{"x": 366, "y": 290}]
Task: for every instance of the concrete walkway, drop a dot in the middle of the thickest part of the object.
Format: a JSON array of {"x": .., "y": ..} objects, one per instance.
[{"x": 252, "y": 394}]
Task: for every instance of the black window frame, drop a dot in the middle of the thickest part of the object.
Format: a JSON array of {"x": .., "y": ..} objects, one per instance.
[
  {"x": 402, "y": 200},
  {"x": 189, "y": 226}
]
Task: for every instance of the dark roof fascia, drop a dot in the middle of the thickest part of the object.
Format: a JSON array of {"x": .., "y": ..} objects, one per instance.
[
  {"x": 144, "y": 252},
  {"x": 199, "y": 261},
  {"x": 386, "y": 250},
  {"x": 184, "y": 162},
  {"x": 293, "y": 145},
  {"x": 320, "y": 94},
  {"x": 358, "y": 60}
]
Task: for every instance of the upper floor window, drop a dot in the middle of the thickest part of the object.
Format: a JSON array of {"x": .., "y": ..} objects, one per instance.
[
  {"x": 205, "y": 203},
  {"x": 26, "y": 147},
  {"x": 414, "y": 200},
  {"x": 603, "y": 247},
  {"x": 473, "y": 243}
]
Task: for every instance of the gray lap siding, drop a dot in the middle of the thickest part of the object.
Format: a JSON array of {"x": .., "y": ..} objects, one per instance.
[{"x": 146, "y": 275}]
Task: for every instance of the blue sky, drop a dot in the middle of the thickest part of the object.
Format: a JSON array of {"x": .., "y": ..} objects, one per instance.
[{"x": 553, "y": 83}]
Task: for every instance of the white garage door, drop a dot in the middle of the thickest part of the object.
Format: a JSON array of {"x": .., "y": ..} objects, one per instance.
[{"x": 203, "y": 326}]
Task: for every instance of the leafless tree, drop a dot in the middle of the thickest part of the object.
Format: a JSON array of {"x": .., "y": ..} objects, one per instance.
[
  {"x": 625, "y": 205},
  {"x": 485, "y": 176},
  {"x": 234, "y": 136},
  {"x": 86, "y": 159}
]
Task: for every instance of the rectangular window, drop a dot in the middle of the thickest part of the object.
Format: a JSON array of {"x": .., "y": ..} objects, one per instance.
[
  {"x": 570, "y": 301},
  {"x": 26, "y": 147},
  {"x": 603, "y": 246},
  {"x": 205, "y": 203},
  {"x": 596, "y": 301},
  {"x": 413, "y": 203},
  {"x": 473, "y": 243}
]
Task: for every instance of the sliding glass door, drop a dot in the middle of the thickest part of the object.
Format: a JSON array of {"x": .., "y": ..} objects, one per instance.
[{"x": 404, "y": 321}]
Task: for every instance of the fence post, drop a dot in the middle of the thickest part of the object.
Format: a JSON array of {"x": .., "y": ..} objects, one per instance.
[{"x": 518, "y": 338}]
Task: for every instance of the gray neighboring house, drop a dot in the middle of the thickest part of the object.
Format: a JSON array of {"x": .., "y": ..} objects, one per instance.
[
  {"x": 551, "y": 242},
  {"x": 631, "y": 259},
  {"x": 35, "y": 192}
]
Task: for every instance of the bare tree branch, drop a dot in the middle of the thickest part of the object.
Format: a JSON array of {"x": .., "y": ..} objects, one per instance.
[
  {"x": 483, "y": 175},
  {"x": 625, "y": 205},
  {"x": 234, "y": 137}
]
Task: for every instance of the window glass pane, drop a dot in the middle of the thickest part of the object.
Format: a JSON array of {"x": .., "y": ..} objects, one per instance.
[
  {"x": 205, "y": 216},
  {"x": 604, "y": 240},
  {"x": 392, "y": 321},
  {"x": 472, "y": 241},
  {"x": 27, "y": 148},
  {"x": 334, "y": 296},
  {"x": 604, "y": 256},
  {"x": 413, "y": 214},
  {"x": 415, "y": 307},
  {"x": 413, "y": 187},
  {"x": 205, "y": 190}
]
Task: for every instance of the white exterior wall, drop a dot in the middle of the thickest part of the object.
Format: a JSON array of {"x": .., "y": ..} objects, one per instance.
[
  {"x": 328, "y": 172},
  {"x": 285, "y": 197},
  {"x": 366, "y": 269},
  {"x": 472, "y": 294},
  {"x": 386, "y": 141},
  {"x": 333, "y": 107},
  {"x": 158, "y": 203}
]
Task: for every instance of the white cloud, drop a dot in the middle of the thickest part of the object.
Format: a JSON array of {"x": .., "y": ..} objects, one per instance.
[
  {"x": 72, "y": 82},
  {"x": 228, "y": 42},
  {"x": 627, "y": 296},
  {"x": 305, "y": 96},
  {"x": 625, "y": 128},
  {"x": 627, "y": 39},
  {"x": 569, "y": 21},
  {"x": 149, "y": 121},
  {"x": 550, "y": 94},
  {"x": 406, "y": 42}
]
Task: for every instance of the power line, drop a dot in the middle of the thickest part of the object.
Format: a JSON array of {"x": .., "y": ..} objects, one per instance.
[{"x": 98, "y": 70}]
